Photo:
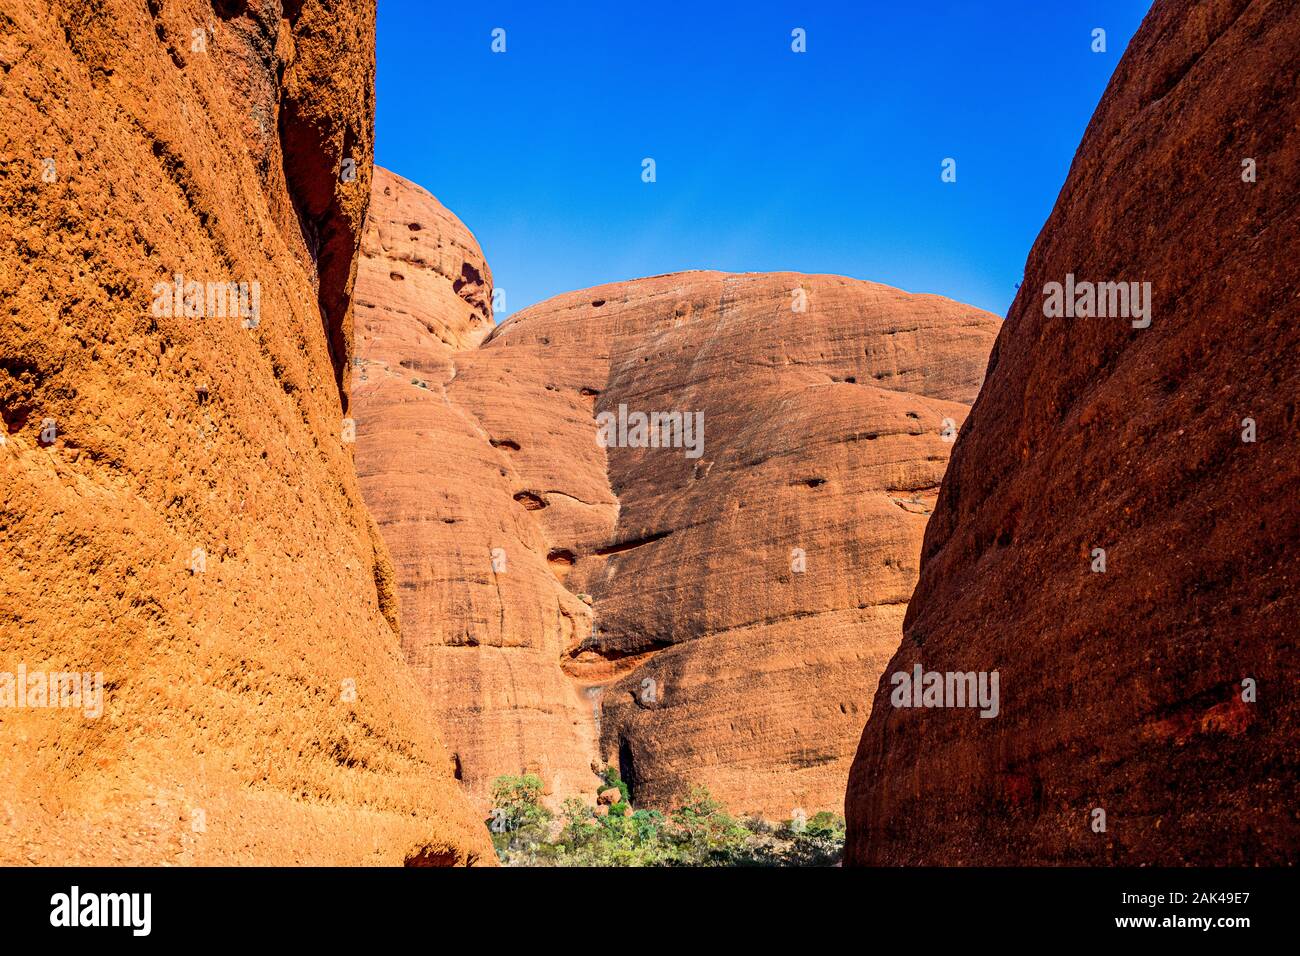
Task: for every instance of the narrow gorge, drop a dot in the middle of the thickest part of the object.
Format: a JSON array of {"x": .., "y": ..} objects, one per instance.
[{"x": 344, "y": 546}]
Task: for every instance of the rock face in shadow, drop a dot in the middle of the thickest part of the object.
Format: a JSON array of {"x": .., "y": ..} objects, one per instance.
[
  {"x": 711, "y": 614},
  {"x": 1160, "y": 690},
  {"x": 178, "y": 508}
]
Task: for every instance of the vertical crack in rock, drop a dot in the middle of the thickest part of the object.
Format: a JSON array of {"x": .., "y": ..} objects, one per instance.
[{"x": 325, "y": 144}]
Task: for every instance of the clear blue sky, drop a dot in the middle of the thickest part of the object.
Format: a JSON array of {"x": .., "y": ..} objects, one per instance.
[{"x": 826, "y": 161}]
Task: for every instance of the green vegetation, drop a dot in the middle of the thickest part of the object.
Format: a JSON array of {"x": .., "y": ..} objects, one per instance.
[
  {"x": 700, "y": 832},
  {"x": 612, "y": 779}
]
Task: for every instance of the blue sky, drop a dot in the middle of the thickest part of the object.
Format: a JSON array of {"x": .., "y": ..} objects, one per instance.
[{"x": 824, "y": 161}]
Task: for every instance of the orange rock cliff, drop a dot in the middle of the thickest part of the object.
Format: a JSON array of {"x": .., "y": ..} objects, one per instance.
[
  {"x": 299, "y": 551},
  {"x": 716, "y": 613},
  {"x": 179, "y": 514},
  {"x": 1116, "y": 534}
]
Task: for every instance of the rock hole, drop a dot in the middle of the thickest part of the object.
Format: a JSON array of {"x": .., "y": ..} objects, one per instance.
[
  {"x": 632, "y": 543},
  {"x": 530, "y": 501},
  {"x": 468, "y": 276},
  {"x": 229, "y": 9}
]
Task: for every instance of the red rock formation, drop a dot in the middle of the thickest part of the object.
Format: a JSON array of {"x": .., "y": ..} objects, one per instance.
[
  {"x": 484, "y": 636},
  {"x": 178, "y": 509},
  {"x": 649, "y": 614},
  {"x": 1123, "y": 691}
]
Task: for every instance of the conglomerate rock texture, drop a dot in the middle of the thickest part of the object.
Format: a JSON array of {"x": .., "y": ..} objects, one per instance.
[
  {"x": 715, "y": 618},
  {"x": 178, "y": 508},
  {"x": 1162, "y": 690}
]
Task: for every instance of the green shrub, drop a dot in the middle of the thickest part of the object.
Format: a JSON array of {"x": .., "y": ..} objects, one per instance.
[
  {"x": 519, "y": 823},
  {"x": 612, "y": 779},
  {"x": 700, "y": 832},
  {"x": 705, "y": 834}
]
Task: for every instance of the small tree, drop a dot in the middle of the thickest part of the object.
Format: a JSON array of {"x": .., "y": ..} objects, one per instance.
[
  {"x": 519, "y": 822},
  {"x": 820, "y": 842},
  {"x": 704, "y": 832},
  {"x": 580, "y": 826}
]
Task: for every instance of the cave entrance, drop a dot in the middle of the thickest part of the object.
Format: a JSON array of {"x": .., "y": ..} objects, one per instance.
[{"x": 627, "y": 769}]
